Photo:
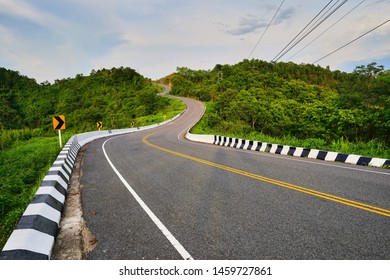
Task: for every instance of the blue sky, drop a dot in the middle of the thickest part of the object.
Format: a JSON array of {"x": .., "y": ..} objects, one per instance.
[{"x": 48, "y": 40}]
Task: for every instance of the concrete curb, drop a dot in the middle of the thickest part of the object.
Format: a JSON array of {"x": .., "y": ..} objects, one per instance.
[
  {"x": 288, "y": 150},
  {"x": 34, "y": 236}
]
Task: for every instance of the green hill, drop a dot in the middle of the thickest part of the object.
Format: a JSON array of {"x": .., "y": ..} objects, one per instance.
[
  {"x": 115, "y": 96},
  {"x": 300, "y": 105}
]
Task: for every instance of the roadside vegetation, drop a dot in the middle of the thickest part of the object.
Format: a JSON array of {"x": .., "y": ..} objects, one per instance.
[
  {"x": 118, "y": 97},
  {"x": 299, "y": 105},
  {"x": 22, "y": 168}
]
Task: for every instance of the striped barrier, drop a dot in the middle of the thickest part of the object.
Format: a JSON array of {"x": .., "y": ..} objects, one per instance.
[
  {"x": 287, "y": 150},
  {"x": 34, "y": 236},
  {"x": 299, "y": 152}
]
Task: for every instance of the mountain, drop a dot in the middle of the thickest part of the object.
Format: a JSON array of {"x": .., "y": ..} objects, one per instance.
[{"x": 114, "y": 96}]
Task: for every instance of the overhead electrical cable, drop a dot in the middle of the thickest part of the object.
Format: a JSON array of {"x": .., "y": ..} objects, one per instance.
[
  {"x": 352, "y": 41},
  {"x": 326, "y": 30},
  {"x": 273, "y": 60},
  {"x": 318, "y": 21},
  {"x": 266, "y": 29},
  {"x": 321, "y": 20}
]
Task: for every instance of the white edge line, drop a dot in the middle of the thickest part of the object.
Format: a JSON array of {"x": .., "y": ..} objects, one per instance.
[
  {"x": 291, "y": 158},
  {"x": 187, "y": 130},
  {"x": 182, "y": 251}
]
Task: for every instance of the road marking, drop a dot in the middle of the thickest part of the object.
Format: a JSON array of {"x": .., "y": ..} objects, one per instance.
[
  {"x": 352, "y": 203},
  {"x": 183, "y": 252},
  {"x": 187, "y": 129},
  {"x": 291, "y": 158}
]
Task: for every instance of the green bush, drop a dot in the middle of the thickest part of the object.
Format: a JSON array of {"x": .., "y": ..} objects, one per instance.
[
  {"x": 9, "y": 137},
  {"x": 22, "y": 169}
]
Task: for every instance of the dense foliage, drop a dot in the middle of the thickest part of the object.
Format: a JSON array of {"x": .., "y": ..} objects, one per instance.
[
  {"x": 114, "y": 96},
  {"x": 302, "y": 101},
  {"x": 22, "y": 168}
]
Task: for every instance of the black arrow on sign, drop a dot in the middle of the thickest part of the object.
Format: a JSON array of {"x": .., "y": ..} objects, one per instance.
[{"x": 60, "y": 122}]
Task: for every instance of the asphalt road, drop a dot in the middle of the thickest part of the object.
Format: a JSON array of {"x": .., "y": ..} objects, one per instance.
[{"x": 178, "y": 199}]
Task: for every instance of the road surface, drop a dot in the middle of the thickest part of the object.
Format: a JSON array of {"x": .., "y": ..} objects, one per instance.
[{"x": 154, "y": 195}]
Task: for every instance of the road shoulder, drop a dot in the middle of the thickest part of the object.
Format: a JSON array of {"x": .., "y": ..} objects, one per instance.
[{"x": 74, "y": 240}]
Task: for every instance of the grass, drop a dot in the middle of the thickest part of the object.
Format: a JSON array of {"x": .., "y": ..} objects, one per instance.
[
  {"x": 175, "y": 108},
  {"x": 22, "y": 169},
  {"x": 9, "y": 138}
]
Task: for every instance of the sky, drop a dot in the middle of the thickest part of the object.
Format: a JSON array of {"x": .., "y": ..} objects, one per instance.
[{"x": 56, "y": 39}]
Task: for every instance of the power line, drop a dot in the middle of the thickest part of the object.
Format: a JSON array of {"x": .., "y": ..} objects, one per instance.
[
  {"x": 326, "y": 30},
  {"x": 324, "y": 17},
  {"x": 273, "y": 60},
  {"x": 266, "y": 29},
  {"x": 321, "y": 17},
  {"x": 318, "y": 23},
  {"x": 352, "y": 41}
]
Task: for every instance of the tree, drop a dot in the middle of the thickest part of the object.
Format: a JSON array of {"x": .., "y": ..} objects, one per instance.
[{"x": 372, "y": 69}]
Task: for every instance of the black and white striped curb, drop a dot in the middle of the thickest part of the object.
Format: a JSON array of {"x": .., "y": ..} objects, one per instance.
[
  {"x": 299, "y": 152},
  {"x": 287, "y": 150},
  {"x": 34, "y": 236}
]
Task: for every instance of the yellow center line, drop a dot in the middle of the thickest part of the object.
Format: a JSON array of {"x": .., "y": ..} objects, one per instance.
[
  {"x": 185, "y": 120},
  {"x": 338, "y": 199}
]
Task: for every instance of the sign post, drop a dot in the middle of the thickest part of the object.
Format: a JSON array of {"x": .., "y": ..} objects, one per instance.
[
  {"x": 59, "y": 124},
  {"x": 60, "y": 137}
]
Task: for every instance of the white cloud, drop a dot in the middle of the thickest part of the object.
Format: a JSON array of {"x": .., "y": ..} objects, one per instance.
[
  {"x": 248, "y": 24},
  {"x": 25, "y": 10},
  {"x": 58, "y": 39},
  {"x": 284, "y": 15}
]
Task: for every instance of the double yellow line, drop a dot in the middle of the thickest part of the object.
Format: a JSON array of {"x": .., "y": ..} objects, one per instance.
[{"x": 352, "y": 203}]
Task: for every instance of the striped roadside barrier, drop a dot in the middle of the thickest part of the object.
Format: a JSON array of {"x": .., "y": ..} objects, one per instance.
[
  {"x": 298, "y": 151},
  {"x": 34, "y": 236}
]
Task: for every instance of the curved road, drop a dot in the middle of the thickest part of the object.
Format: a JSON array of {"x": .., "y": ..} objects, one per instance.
[{"x": 155, "y": 195}]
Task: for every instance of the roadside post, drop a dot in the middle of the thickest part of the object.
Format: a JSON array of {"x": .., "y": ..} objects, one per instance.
[{"x": 59, "y": 124}]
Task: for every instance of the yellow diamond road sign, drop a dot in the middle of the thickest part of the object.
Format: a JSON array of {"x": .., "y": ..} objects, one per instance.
[{"x": 59, "y": 122}]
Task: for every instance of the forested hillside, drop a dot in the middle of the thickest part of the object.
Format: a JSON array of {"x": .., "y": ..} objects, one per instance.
[
  {"x": 321, "y": 107},
  {"x": 115, "y": 96}
]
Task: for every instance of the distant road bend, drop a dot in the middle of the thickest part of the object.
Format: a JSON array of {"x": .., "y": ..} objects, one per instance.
[{"x": 156, "y": 195}]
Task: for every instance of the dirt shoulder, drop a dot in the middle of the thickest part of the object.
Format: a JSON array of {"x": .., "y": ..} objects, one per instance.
[{"x": 74, "y": 240}]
